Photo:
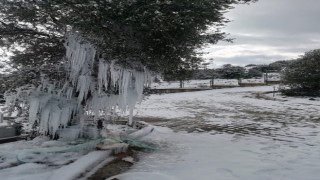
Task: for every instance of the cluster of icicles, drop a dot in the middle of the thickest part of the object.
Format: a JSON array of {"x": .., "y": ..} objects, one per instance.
[{"x": 84, "y": 94}]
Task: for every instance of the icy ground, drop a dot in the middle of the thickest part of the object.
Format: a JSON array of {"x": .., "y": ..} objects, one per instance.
[{"x": 228, "y": 134}]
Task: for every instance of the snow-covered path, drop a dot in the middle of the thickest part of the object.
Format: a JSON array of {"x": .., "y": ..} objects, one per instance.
[{"x": 230, "y": 134}]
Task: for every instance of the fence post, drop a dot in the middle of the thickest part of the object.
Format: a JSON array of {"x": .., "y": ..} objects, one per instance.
[{"x": 1, "y": 117}]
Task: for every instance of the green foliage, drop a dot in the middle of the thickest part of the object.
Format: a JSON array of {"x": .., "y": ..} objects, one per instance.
[
  {"x": 161, "y": 34},
  {"x": 258, "y": 70},
  {"x": 230, "y": 72},
  {"x": 2, "y": 84},
  {"x": 253, "y": 73},
  {"x": 278, "y": 65},
  {"x": 303, "y": 75},
  {"x": 185, "y": 71},
  {"x": 204, "y": 74},
  {"x": 180, "y": 75}
]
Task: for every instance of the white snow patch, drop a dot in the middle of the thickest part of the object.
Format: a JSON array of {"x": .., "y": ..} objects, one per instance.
[{"x": 81, "y": 166}]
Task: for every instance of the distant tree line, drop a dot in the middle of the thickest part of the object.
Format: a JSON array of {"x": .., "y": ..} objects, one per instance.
[{"x": 229, "y": 71}]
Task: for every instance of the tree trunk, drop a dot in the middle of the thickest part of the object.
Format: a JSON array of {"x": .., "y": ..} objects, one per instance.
[{"x": 181, "y": 84}]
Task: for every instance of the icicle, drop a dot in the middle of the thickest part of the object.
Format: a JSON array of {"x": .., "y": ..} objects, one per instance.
[
  {"x": 65, "y": 116},
  {"x": 123, "y": 89},
  {"x": 69, "y": 93},
  {"x": 130, "y": 116},
  {"x": 34, "y": 106},
  {"x": 83, "y": 87},
  {"x": 147, "y": 77},
  {"x": 103, "y": 75},
  {"x": 54, "y": 110},
  {"x": 50, "y": 88},
  {"x": 44, "y": 120},
  {"x": 80, "y": 55},
  {"x": 139, "y": 83},
  {"x": 10, "y": 99},
  {"x": 54, "y": 120},
  {"x": 115, "y": 73},
  {"x": 63, "y": 88}
]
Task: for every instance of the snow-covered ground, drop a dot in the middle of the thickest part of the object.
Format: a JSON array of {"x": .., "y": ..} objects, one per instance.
[
  {"x": 252, "y": 80},
  {"x": 42, "y": 158},
  {"x": 237, "y": 133},
  {"x": 5, "y": 123},
  {"x": 230, "y": 134}
]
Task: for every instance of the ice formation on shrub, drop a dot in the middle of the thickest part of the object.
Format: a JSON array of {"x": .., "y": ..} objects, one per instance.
[
  {"x": 51, "y": 111},
  {"x": 115, "y": 87}
]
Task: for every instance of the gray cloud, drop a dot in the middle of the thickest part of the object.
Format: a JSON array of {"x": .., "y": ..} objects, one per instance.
[
  {"x": 244, "y": 60},
  {"x": 282, "y": 16},
  {"x": 269, "y": 30}
]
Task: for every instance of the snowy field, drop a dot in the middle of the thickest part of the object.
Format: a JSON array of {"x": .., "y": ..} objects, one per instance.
[{"x": 229, "y": 134}]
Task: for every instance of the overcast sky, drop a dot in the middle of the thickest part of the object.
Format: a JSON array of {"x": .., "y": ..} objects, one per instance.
[{"x": 267, "y": 31}]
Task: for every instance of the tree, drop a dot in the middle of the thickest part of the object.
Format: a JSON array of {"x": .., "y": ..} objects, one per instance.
[
  {"x": 204, "y": 74},
  {"x": 253, "y": 73},
  {"x": 92, "y": 56},
  {"x": 185, "y": 71},
  {"x": 278, "y": 65},
  {"x": 303, "y": 75},
  {"x": 2, "y": 84},
  {"x": 230, "y": 72},
  {"x": 155, "y": 32},
  {"x": 180, "y": 75}
]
